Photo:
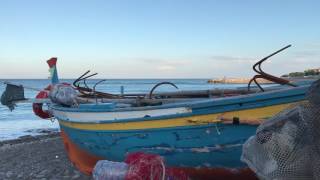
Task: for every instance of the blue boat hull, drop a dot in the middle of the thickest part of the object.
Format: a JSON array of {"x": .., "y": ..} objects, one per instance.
[{"x": 213, "y": 145}]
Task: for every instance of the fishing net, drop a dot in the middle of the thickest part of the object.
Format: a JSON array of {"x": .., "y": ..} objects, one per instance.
[
  {"x": 287, "y": 146},
  {"x": 63, "y": 94},
  {"x": 144, "y": 166},
  {"x": 137, "y": 166}
]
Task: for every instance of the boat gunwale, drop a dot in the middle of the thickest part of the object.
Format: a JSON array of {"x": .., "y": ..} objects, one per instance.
[
  {"x": 198, "y": 126},
  {"x": 223, "y": 101},
  {"x": 171, "y": 116}
]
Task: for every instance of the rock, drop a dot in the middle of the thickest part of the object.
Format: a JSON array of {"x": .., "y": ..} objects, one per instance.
[
  {"x": 76, "y": 176},
  {"x": 9, "y": 174},
  {"x": 39, "y": 176},
  {"x": 55, "y": 178},
  {"x": 44, "y": 172},
  {"x": 26, "y": 137},
  {"x": 66, "y": 172},
  {"x": 45, "y": 131}
]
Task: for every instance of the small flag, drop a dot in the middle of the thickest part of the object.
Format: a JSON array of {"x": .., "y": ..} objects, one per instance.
[{"x": 53, "y": 70}]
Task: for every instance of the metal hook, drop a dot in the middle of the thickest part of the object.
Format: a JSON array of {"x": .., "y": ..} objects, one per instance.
[
  {"x": 159, "y": 84},
  {"x": 261, "y": 74},
  {"x": 94, "y": 89}
]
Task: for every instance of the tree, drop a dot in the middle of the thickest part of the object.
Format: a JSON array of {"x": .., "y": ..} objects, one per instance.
[
  {"x": 311, "y": 72},
  {"x": 296, "y": 74}
]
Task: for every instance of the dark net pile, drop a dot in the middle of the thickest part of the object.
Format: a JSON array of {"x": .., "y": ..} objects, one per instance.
[{"x": 287, "y": 146}]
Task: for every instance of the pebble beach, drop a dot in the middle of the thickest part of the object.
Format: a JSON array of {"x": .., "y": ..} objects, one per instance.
[{"x": 36, "y": 157}]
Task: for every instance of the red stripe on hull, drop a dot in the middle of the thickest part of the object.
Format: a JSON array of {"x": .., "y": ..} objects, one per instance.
[
  {"x": 219, "y": 173},
  {"x": 84, "y": 161}
]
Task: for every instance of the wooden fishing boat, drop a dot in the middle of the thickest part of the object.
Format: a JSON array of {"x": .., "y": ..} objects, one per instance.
[
  {"x": 187, "y": 130},
  {"x": 188, "y": 133}
]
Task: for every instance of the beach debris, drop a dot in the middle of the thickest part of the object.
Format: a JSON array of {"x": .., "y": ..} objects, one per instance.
[
  {"x": 11, "y": 95},
  {"x": 137, "y": 165},
  {"x": 287, "y": 146},
  {"x": 105, "y": 169}
]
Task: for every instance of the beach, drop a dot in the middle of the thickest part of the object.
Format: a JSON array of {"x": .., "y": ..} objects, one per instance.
[{"x": 36, "y": 157}]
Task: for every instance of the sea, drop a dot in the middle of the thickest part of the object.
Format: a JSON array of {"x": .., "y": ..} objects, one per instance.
[{"x": 22, "y": 121}]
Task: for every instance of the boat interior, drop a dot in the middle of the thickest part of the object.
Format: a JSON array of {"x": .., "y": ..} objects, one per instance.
[{"x": 90, "y": 94}]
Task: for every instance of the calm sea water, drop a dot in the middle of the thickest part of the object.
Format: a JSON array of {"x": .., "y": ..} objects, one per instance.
[{"x": 22, "y": 121}]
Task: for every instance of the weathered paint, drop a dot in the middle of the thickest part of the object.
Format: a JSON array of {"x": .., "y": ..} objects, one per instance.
[
  {"x": 255, "y": 114},
  {"x": 85, "y": 162},
  {"x": 212, "y": 145},
  {"x": 110, "y": 116}
]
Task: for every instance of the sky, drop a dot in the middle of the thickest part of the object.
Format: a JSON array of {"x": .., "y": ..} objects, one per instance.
[{"x": 157, "y": 38}]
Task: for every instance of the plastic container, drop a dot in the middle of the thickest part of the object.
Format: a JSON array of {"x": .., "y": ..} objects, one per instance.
[{"x": 109, "y": 170}]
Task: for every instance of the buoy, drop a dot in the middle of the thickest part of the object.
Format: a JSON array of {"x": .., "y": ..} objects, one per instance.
[{"x": 37, "y": 107}]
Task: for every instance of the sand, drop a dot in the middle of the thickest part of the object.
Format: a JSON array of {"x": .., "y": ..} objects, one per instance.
[{"x": 40, "y": 157}]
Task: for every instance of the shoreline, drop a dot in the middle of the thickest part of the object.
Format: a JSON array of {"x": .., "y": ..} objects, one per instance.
[
  {"x": 30, "y": 138},
  {"x": 36, "y": 157}
]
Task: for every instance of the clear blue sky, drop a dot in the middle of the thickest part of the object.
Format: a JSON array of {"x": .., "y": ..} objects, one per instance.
[{"x": 156, "y": 39}]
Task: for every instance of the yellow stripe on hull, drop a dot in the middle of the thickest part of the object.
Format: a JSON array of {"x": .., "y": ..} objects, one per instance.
[
  {"x": 253, "y": 114},
  {"x": 258, "y": 113},
  {"x": 151, "y": 124}
]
